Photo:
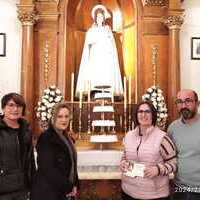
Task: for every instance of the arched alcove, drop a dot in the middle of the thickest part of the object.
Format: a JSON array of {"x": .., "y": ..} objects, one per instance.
[
  {"x": 124, "y": 26},
  {"x": 61, "y": 30}
]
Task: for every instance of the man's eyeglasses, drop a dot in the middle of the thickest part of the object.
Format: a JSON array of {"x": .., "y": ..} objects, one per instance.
[
  {"x": 187, "y": 101},
  {"x": 144, "y": 111}
]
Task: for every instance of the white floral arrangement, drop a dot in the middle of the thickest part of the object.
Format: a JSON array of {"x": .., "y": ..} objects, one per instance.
[
  {"x": 51, "y": 96},
  {"x": 155, "y": 95}
]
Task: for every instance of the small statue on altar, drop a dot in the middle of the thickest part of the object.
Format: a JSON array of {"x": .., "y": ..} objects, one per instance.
[{"x": 99, "y": 63}]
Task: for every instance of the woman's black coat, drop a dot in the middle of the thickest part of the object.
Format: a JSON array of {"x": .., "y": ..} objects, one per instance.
[
  {"x": 54, "y": 165},
  {"x": 17, "y": 167}
]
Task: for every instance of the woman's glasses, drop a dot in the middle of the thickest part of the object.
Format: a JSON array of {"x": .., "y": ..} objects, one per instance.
[
  {"x": 144, "y": 111},
  {"x": 13, "y": 105}
]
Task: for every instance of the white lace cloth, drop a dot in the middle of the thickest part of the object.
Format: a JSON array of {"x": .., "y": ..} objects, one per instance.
[{"x": 97, "y": 164}]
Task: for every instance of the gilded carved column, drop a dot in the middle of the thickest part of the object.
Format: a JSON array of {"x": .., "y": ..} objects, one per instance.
[
  {"x": 27, "y": 16},
  {"x": 174, "y": 23}
]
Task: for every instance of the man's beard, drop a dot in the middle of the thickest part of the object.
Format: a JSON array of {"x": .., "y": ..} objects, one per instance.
[{"x": 187, "y": 114}]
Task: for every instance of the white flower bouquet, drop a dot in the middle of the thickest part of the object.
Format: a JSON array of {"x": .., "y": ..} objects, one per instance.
[
  {"x": 51, "y": 96},
  {"x": 155, "y": 95}
]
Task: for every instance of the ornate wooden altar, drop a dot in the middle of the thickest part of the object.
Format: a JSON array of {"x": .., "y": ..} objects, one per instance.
[
  {"x": 147, "y": 37},
  {"x": 53, "y": 37}
]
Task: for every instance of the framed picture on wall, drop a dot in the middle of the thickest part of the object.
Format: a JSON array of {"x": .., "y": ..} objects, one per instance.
[
  {"x": 195, "y": 48},
  {"x": 2, "y": 44}
]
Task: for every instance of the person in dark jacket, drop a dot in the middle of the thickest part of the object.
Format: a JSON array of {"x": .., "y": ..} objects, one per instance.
[
  {"x": 16, "y": 155},
  {"x": 56, "y": 177}
]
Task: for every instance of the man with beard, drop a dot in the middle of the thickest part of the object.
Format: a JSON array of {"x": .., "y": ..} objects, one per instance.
[{"x": 185, "y": 132}]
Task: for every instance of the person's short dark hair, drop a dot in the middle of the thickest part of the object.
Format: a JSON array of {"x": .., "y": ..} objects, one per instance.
[
  {"x": 195, "y": 96},
  {"x": 153, "y": 112},
  {"x": 17, "y": 98}
]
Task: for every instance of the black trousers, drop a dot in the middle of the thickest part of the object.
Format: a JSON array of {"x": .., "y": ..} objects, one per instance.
[
  {"x": 127, "y": 197},
  {"x": 186, "y": 196},
  {"x": 20, "y": 195}
]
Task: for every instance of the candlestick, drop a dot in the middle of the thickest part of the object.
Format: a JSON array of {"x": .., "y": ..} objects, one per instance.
[
  {"x": 80, "y": 124},
  {"x": 112, "y": 95},
  {"x": 72, "y": 87},
  {"x": 80, "y": 99},
  {"x": 129, "y": 117},
  {"x": 113, "y": 118},
  {"x": 125, "y": 104},
  {"x": 129, "y": 90},
  {"x": 125, "y": 120},
  {"x": 120, "y": 123},
  {"x": 80, "y": 112},
  {"x": 125, "y": 93},
  {"x": 89, "y": 87},
  {"x": 89, "y": 117},
  {"x": 136, "y": 89}
]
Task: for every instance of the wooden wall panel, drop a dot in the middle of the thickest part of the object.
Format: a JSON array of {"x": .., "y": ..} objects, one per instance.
[
  {"x": 146, "y": 76},
  {"x": 70, "y": 55},
  {"x": 152, "y": 32},
  {"x": 154, "y": 27},
  {"x": 155, "y": 11},
  {"x": 79, "y": 44},
  {"x": 46, "y": 34}
]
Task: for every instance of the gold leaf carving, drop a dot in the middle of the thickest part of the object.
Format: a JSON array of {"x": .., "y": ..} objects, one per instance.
[
  {"x": 155, "y": 2},
  {"x": 27, "y": 17},
  {"x": 174, "y": 21}
]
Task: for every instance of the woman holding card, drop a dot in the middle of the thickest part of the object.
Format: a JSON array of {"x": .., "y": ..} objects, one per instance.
[{"x": 148, "y": 159}]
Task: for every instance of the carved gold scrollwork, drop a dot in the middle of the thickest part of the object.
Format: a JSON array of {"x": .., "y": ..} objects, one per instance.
[
  {"x": 174, "y": 21},
  {"x": 154, "y": 58},
  {"x": 155, "y": 2},
  {"x": 27, "y": 17},
  {"x": 46, "y": 62}
]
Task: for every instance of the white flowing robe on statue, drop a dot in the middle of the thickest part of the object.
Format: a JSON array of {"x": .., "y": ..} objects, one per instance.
[{"x": 99, "y": 63}]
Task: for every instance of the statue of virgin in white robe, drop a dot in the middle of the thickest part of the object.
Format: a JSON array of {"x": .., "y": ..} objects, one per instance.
[{"x": 99, "y": 63}]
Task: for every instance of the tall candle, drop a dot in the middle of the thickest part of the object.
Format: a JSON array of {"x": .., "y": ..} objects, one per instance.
[
  {"x": 72, "y": 87},
  {"x": 125, "y": 93},
  {"x": 129, "y": 90},
  {"x": 88, "y": 91},
  {"x": 80, "y": 99},
  {"x": 136, "y": 90},
  {"x": 112, "y": 95}
]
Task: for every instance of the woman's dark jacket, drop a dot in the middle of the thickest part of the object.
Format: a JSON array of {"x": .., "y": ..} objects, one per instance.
[
  {"x": 16, "y": 157},
  {"x": 54, "y": 165}
]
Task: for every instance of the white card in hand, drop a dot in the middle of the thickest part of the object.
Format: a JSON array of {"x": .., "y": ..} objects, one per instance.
[{"x": 135, "y": 169}]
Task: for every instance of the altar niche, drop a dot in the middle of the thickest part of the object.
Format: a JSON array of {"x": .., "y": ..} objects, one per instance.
[
  {"x": 137, "y": 27},
  {"x": 99, "y": 66},
  {"x": 123, "y": 27}
]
